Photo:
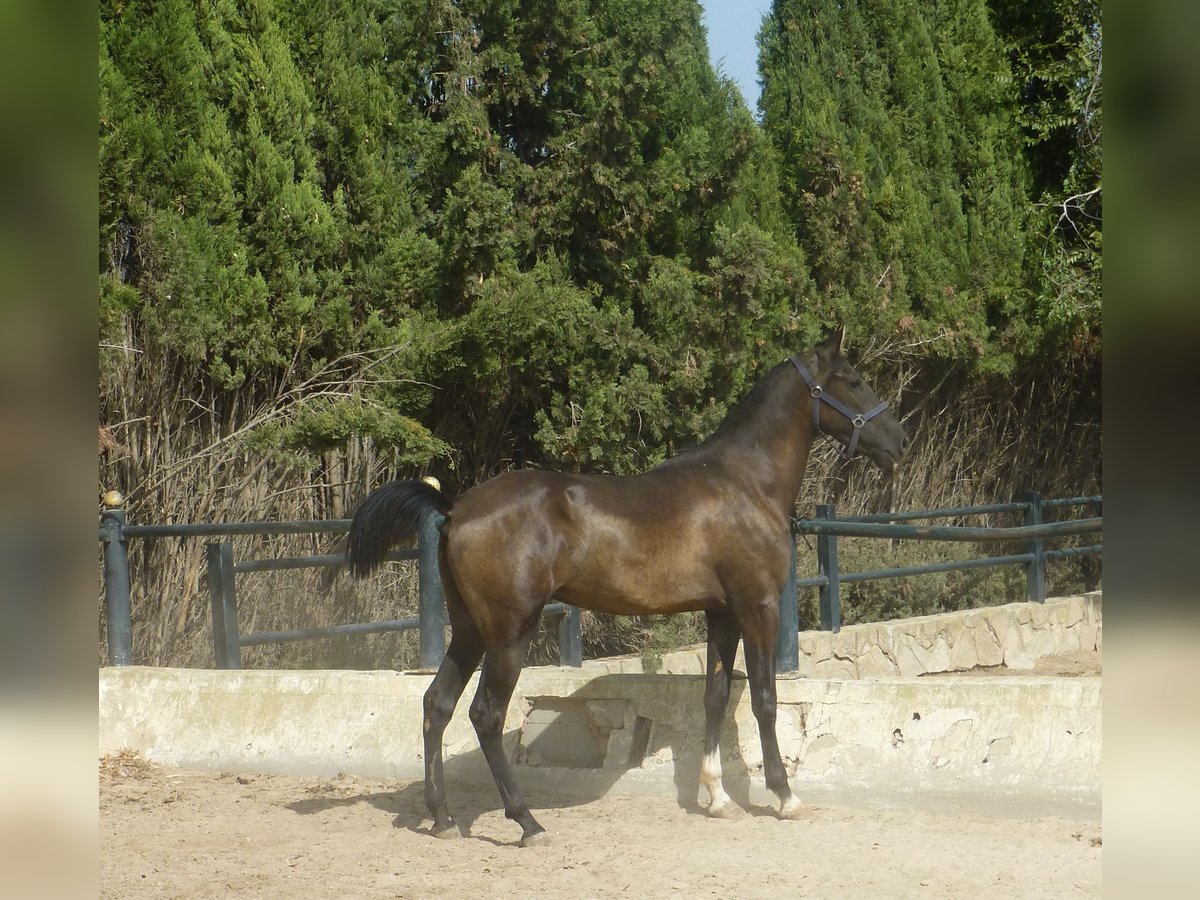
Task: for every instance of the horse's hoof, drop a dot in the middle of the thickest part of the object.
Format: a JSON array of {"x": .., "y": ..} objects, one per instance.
[
  {"x": 537, "y": 839},
  {"x": 725, "y": 811},
  {"x": 795, "y": 810},
  {"x": 449, "y": 833}
]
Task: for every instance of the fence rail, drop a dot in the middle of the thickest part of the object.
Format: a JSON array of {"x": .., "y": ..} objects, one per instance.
[
  {"x": 430, "y": 621},
  {"x": 828, "y": 527}
]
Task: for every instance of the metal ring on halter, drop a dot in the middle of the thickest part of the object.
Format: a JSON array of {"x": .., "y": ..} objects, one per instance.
[
  {"x": 858, "y": 421},
  {"x": 816, "y": 391}
]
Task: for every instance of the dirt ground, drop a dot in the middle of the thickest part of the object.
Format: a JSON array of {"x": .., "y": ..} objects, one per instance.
[{"x": 180, "y": 834}]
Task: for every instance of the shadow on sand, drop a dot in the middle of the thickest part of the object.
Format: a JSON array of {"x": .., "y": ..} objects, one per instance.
[{"x": 672, "y": 746}]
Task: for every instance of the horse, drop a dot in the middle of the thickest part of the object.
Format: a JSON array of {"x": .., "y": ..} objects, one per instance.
[{"x": 706, "y": 530}]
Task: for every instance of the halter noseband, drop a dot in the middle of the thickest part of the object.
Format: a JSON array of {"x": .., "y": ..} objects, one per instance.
[{"x": 858, "y": 420}]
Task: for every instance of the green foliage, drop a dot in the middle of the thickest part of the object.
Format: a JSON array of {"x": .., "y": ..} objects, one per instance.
[
  {"x": 1055, "y": 51},
  {"x": 573, "y": 231},
  {"x": 895, "y": 127}
]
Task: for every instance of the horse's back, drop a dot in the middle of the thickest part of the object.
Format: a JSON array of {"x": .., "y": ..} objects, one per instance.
[{"x": 654, "y": 543}]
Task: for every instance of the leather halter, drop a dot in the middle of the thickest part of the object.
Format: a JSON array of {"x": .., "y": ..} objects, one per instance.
[{"x": 858, "y": 420}]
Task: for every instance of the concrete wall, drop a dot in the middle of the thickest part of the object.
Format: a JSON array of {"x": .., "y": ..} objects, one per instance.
[{"x": 1020, "y": 742}]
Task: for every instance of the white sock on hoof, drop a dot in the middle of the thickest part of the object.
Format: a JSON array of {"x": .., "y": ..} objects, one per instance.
[
  {"x": 794, "y": 808},
  {"x": 710, "y": 777}
]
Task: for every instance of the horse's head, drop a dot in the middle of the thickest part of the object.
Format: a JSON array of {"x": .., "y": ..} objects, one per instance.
[{"x": 845, "y": 407}]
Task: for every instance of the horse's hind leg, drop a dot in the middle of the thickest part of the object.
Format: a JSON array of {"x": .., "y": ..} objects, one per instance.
[
  {"x": 461, "y": 659},
  {"x": 723, "y": 636},
  {"x": 759, "y": 629},
  {"x": 501, "y": 668}
]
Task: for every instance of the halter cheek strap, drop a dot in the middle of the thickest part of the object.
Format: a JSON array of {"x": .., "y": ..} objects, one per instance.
[{"x": 858, "y": 420}]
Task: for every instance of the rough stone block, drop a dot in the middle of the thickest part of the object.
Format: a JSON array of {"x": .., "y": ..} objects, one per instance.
[
  {"x": 939, "y": 655},
  {"x": 963, "y": 652},
  {"x": 874, "y": 663},
  {"x": 1067, "y": 639},
  {"x": 844, "y": 644},
  {"x": 1012, "y": 637},
  {"x": 683, "y": 663},
  {"x": 987, "y": 648},
  {"x": 818, "y": 645},
  {"x": 1041, "y": 643},
  {"x": 1089, "y": 635},
  {"x": 910, "y": 657}
]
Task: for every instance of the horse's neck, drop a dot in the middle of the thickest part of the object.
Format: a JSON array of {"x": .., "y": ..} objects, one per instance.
[{"x": 768, "y": 444}]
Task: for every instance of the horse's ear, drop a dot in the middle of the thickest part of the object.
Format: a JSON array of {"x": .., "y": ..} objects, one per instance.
[{"x": 833, "y": 344}]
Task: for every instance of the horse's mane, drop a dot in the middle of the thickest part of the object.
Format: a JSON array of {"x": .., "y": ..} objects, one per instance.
[{"x": 739, "y": 419}]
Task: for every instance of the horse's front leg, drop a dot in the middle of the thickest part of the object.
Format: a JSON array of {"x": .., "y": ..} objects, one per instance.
[
  {"x": 759, "y": 627},
  {"x": 723, "y": 637}
]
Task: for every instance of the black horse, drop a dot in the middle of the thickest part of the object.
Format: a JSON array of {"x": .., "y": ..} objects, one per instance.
[{"x": 705, "y": 530}]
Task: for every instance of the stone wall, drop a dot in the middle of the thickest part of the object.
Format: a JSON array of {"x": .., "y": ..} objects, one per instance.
[
  {"x": 1014, "y": 635},
  {"x": 1022, "y": 742}
]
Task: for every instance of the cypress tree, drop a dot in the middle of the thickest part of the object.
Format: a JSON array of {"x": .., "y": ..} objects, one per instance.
[
  {"x": 550, "y": 222},
  {"x": 1055, "y": 50},
  {"x": 899, "y": 170}
]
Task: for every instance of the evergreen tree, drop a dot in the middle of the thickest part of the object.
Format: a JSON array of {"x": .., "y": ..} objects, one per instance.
[
  {"x": 900, "y": 174},
  {"x": 535, "y": 228},
  {"x": 1055, "y": 51}
]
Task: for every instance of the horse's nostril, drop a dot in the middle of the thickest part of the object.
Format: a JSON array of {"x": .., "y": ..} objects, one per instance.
[{"x": 904, "y": 442}]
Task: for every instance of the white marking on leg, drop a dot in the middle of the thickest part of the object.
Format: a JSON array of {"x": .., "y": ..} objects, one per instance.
[
  {"x": 793, "y": 808},
  {"x": 710, "y": 777}
]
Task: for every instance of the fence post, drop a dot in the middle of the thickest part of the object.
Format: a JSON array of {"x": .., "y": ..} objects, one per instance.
[
  {"x": 570, "y": 638},
  {"x": 1035, "y": 573},
  {"x": 787, "y": 641},
  {"x": 222, "y": 594},
  {"x": 827, "y": 565},
  {"x": 431, "y": 601},
  {"x": 116, "y": 588}
]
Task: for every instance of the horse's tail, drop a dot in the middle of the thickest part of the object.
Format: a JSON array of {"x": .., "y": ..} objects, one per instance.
[{"x": 390, "y": 515}]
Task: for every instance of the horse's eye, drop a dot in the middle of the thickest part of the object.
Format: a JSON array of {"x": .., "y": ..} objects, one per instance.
[{"x": 855, "y": 384}]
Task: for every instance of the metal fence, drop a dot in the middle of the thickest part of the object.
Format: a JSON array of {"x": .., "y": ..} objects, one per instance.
[
  {"x": 430, "y": 620},
  {"x": 827, "y": 527},
  {"x": 223, "y": 570}
]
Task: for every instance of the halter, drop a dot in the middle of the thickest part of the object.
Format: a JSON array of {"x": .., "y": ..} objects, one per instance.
[{"x": 858, "y": 420}]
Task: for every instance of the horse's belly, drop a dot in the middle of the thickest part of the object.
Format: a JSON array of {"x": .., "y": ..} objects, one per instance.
[{"x": 641, "y": 590}]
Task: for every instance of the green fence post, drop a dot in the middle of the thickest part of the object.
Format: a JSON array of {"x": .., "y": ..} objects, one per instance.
[
  {"x": 1035, "y": 572},
  {"x": 827, "y": 565},
  {"x": 223, "y": 598},
  {"x": 570, "y": 638},
  {"x": 119, "y": 625}
]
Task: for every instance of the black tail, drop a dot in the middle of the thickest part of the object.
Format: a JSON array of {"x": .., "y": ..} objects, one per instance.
[{"x": 390, "y": 515}]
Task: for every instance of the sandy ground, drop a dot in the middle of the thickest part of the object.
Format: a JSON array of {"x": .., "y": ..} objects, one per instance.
[{"x": 180, "y": 834}]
